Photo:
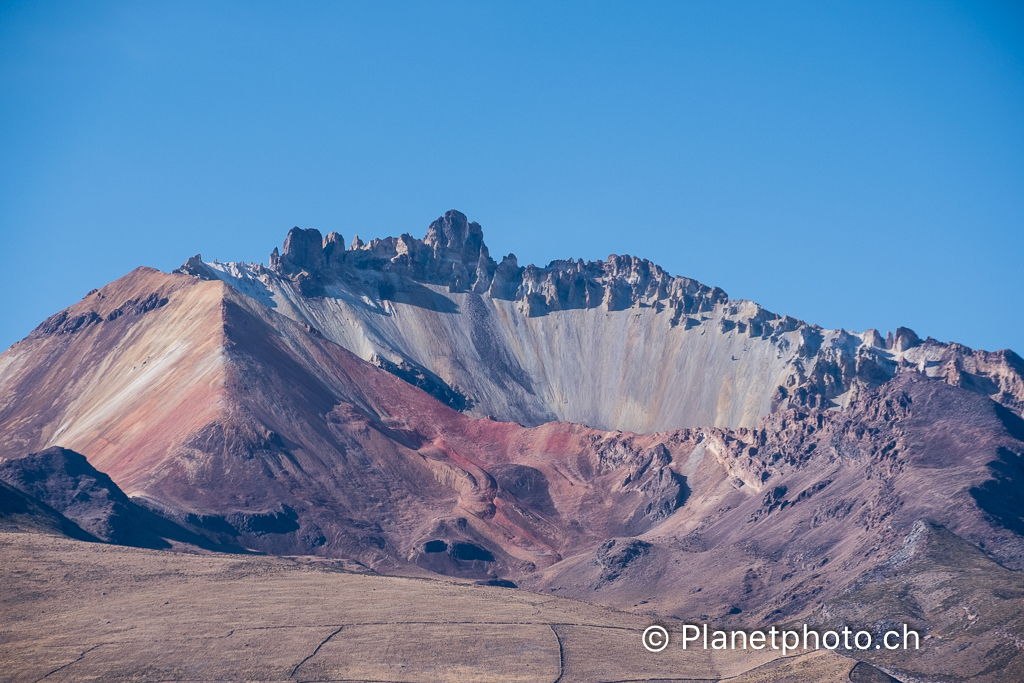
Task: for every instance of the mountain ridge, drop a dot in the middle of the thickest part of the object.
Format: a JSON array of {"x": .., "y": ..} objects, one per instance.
[{"x": 490, "y": 338}]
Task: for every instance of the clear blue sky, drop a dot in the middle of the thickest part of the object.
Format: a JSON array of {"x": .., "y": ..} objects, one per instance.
[{"x": 853, "y": 164}]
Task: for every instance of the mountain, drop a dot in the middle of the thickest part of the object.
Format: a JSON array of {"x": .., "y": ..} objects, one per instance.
[
  {"x": 599, "y": 431},
  {"x": 619, "y": 344},
  {"x": 246, "y": 426},
  {"x": 805, "y": 503}
]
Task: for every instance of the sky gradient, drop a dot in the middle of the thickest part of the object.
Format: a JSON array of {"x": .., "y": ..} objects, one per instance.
[{"x": 854, "y": 165}]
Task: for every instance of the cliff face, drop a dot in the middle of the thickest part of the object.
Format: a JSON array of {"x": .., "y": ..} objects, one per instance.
[{"x": 619, "y": 344}]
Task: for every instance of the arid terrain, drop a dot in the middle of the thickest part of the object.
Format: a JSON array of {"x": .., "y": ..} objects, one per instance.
[
  {"x": 76, "y": 611},
  {"x": 579, "y": 438}
]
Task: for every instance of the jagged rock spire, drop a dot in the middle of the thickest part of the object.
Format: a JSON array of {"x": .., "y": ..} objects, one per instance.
[
  {"x": 303, "y": 250},
  {"x": 454, "y": 233}
]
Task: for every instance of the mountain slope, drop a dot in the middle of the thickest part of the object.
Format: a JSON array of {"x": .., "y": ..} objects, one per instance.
[
  {"x": 816, "y": 500},
  {"x": 245, "y": 426},
  {"x": 255, "y": 430}
]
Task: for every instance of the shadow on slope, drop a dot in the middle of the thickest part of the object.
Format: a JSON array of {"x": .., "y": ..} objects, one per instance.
[
  {"x": 22, "y": 512},
  {"x": 1000, "y": 496},
  {"x": 63, "y": 481}
]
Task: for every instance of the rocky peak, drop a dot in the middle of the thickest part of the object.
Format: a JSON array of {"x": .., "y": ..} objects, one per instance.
[
  {"x": 873, "y": 339},
  {"x": 196, "y": 267},
  {"x": 905, "y": 339},
  {"x": 303, "y": 250},
  {"x": 333, "y": 243},
  {"x": 453, "y": 233}
]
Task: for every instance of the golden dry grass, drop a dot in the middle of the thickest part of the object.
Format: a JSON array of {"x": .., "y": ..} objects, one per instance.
[{"x": 74, "y": 611}]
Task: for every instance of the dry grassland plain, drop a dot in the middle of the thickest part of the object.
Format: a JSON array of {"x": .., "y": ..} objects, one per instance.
[{"x": 76, "y": 611}]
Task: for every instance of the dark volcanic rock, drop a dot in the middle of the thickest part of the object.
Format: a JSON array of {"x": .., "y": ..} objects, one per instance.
[
  {"x": 138, "y": 306},
  {"x": 425, "y": 380},
  {"x": 63, "y": 323},
  {"x": 303, "y": 250}
]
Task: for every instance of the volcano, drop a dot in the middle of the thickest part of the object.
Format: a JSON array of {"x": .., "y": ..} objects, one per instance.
[{"x": 603, "y": 431}]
